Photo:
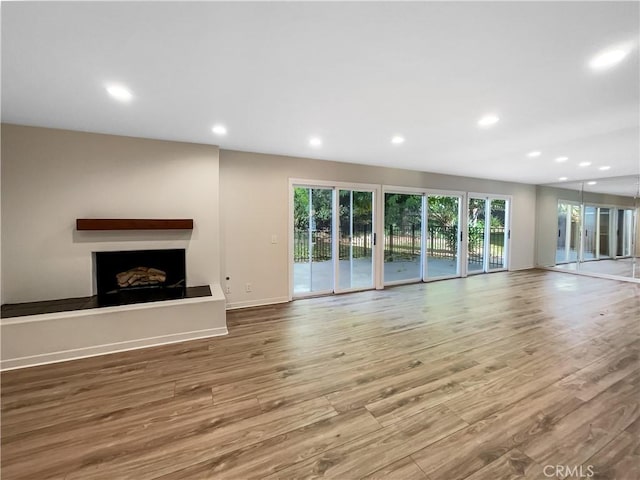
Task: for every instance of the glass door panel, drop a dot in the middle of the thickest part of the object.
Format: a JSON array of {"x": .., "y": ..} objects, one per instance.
[
  {"x": 590, "y": 229},
  {"x": 355, "y": 242},
  {"x": 574, "y": 232},
  {"x": 313, "y": 250},
  {"x": 627, "y": 232},
  {"x": 605, "y": 227},
  {"x": 476, "y": 228},
  {"x": 561, "y": 246},
  {"x": 443, "y": 220},
  {"x": 498, "y": 235},
  {"x": 402, "y": 237}
]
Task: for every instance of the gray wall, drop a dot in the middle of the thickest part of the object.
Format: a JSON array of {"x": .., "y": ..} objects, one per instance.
[{"x": 254, "y": 202}]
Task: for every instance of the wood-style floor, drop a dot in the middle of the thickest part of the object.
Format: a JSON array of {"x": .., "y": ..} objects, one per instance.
[
  {"x": 622, "y": 267},
  {"x": 490, "y": 377}
]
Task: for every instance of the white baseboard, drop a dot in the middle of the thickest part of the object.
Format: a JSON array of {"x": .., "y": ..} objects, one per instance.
[
  {"x": 519, "y": 269},
  {"x": 257, "y": 303},
  {"x": 54, "y": 357},
  {"x": 592, "y": 274}
]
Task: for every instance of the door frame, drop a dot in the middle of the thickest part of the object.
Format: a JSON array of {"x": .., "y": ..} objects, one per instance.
[
  {"x": 488, "y": 197},
  {"x": 461, "y": 269},
  {"x": 613, "y": 231},
  {"x": 567, "y": 234},
  {"x": 335, "y": 186},
  {"x": 403, "y": 191},
  {"x": 291, "y": 237},
  {"x": 336, "y": 243},
  {"x": 596, "y": 255}
]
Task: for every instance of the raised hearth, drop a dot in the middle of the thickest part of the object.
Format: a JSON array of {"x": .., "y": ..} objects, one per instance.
[{"x": 11, "y": 310}]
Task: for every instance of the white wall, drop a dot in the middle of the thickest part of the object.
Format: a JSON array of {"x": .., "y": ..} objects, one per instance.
[
  {"x": 254, "y": 200},
  {"x": 51, "y": 177}
]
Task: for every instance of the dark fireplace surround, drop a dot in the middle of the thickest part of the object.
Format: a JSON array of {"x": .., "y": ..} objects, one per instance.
[{"x": 138, "y": 276}]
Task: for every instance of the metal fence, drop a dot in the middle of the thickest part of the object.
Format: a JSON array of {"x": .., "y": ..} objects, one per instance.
[
  {"x": 496, "y": 246},
  {"x": 404, "y": 243},
  {"x": 401, "y": 244},
  {"x": 361, "y": 244}
]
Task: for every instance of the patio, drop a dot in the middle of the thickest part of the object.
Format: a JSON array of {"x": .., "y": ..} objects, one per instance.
[{"x": 360, "y": 275}]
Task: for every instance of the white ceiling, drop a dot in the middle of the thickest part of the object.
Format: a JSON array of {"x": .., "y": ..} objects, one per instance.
[
  {"x": 353, "y": 73},
  {"x": 627, "y": 186}
]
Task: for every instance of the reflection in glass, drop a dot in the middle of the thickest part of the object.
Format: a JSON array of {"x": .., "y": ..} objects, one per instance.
[
  {"x": 603, "y": 251},
  {"x": 568, "y": 242},
  {"x": 627, "y": 232},
  {"x": 561, "y": 244},
  {"x": 574, "y": 232},
  {"x": 590, "y": 222},
  {"x": 598, "y": 235}
]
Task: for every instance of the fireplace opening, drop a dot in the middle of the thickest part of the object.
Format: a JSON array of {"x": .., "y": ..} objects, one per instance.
[{"x": 137, "y": 276}]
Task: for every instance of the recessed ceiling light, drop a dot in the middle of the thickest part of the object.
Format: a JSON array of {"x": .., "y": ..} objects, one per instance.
[
  {"x": 315, "y": 141},
  {"x": 604, "y": 167},
  {"x": 397, "y": 139},
  {"x": 488, "y": 120},
  {"x": 609, "y": 58},
  {"x": 563, "y": 179},
  {"x": 584, "y": 164},
  {"x": 534, "y": 154},
  {"x": 120, "y": 93},
  {"x": 591, "y": 183},
  {"x": 562, "y": 159},
  {"x": 219, "y": 129}
]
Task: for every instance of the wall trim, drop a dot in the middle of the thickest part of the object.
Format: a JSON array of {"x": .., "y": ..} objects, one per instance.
[
  {"x": 519, "y": 269},
  {"x": 85, "y": 352},
  {"x": 257, "y": 303},
  {"x": 592, "y": 274}
]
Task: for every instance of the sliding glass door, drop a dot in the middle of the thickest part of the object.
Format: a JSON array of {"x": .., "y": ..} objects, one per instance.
[
  {"x": 498, "y": 228},
  {"x": 596, "y": 240},
  {"x": 313, "y": 241},
  {"x": 402, "y": 237},
  {"x": 355, "y": 265},
  {"x": 604, "y": 237},
  {"x": 333, "y": 240},
  {"x": 443, "y": 238},
  {"x": 589, "y": 247},
  {"x": 624, "y": 232},
  {"x": 476, "y": 235},
  {"x": 488, "y": 234},
  {"x": 591, "y": 232},
  {"x": 568, "y": 244},
  {"x": 563, "y": 225}
]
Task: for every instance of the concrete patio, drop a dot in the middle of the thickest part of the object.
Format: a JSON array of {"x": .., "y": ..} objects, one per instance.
[{"x": 360, "y": 273}]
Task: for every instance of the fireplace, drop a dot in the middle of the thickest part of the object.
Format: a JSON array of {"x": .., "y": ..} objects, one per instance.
[{"x": 138, "y": 276}]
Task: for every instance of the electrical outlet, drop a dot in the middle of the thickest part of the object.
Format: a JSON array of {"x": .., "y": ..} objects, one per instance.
[
  {"x": 247, "y": 288},
  {"x": 228, "y": 289},
  {"x": 274, "y": 239}
]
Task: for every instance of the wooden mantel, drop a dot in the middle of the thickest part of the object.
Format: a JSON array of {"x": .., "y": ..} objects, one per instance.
[{"x": 134, "y": 224}]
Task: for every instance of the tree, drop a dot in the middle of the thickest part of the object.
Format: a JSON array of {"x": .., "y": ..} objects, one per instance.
[
  {"x": 402, "y": 210},
  {"x": 443, "y": 211},
  {"x": 321, "y": 200}
]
